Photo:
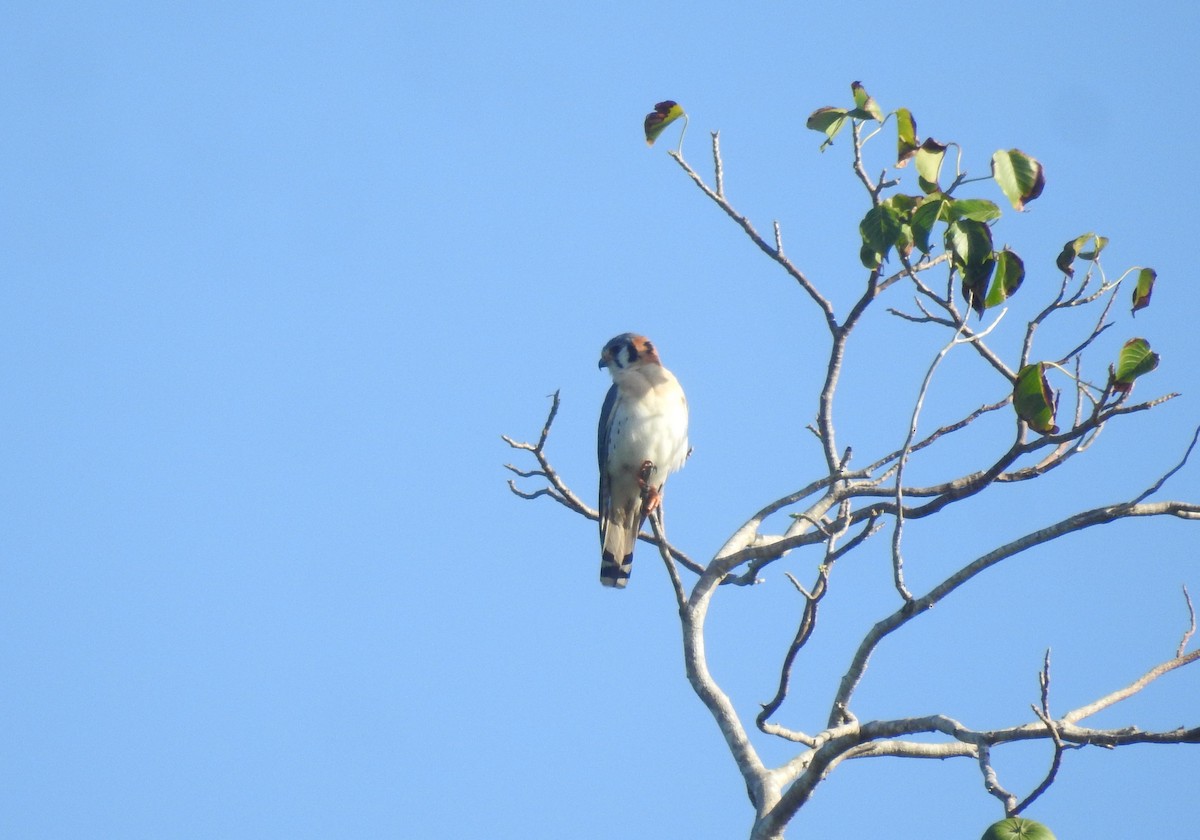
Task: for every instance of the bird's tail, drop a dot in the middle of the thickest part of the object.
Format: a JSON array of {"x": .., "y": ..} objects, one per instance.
[
  {"x": 616, "y": 556},
  {"x": 615, "y": 573}
]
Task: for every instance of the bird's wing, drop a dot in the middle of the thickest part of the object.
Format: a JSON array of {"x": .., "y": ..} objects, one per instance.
[{"x": 603, "y": 444}]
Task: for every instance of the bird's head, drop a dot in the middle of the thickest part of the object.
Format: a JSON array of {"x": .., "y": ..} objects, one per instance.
[{"x": 626, "y": 351}]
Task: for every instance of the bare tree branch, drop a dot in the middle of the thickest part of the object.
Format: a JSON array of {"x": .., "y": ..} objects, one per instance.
[
  {"x": 1154, "y": 488},
  {"x": 1055, "y": 764},
  {"x": 718, "y": 197},
  {"x": 911, "y": 609},
  {"x": 941, "y": 432},
  {"x": 1131, "y": 689}
]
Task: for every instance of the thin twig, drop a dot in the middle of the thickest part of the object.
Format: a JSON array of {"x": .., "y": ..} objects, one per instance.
[
  {"x": 1133, "y": 688},
  {"x": 959, "y": 323},
  {"x": 808, "y": 618},
  {"x": 718, "y": 171},
  {"x": 796, "y": 274},
  {"x": 1043, "y": 715},
  {"x": 910, "y": 270},
  {"x": 941, "y": 432},
  {"x": 1044, "y": 682},
  {"x": 1191, "y": 631},
  {"x": 906, "y": 450},
  {"x": 860, "y": 170},
  {"x": 1150, "y": 491},
  {"x": 543, "y": 491},
  {"x": 1055, "y": 763}
]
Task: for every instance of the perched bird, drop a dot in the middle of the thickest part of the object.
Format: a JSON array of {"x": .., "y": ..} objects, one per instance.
[{"x": 642, "y": 438}]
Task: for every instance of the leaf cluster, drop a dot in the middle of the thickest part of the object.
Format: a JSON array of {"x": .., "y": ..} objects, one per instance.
[{"x": 915, "y": 226}]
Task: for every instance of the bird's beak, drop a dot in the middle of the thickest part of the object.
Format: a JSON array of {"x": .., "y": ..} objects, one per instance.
[{"x": 603, "y": 363}]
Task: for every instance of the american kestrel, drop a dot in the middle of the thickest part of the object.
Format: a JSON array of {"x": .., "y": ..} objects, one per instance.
[{"x": 642, "y": 438}]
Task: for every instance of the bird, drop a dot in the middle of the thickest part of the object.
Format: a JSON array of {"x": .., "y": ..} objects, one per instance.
[{"x": 642, "y": 438}]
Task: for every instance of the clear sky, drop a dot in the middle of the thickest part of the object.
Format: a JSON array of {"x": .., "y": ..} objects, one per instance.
[{"x": 276, "y": 278}]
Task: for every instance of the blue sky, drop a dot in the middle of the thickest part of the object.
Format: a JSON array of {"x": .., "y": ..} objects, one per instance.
[{"x": 278, "y": 276}]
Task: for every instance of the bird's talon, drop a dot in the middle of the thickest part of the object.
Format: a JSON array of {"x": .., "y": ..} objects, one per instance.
[{"x": 645, "y": 472}]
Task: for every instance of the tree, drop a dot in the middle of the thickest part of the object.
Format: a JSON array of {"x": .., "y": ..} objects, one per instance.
[{"x": 939, "y": 245}]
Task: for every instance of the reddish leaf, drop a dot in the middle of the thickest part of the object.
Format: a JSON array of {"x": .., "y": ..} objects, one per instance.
[{"x": 1144, "y": 288}]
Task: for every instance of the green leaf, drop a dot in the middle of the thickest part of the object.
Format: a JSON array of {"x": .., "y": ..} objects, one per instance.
[
  {"x": 861, "y": 97},
  {"x": 1085, "y": 247},
  {"x": 1136, "y": 358},
  {"x": 1010, "y": 273},
  {"x": 1021, "y": 177},
  {"x": 1065, "y": 259},
  {"x": 1144, "y": 288},
  {"x": 828, "y": 121},
  {"x": 1034, "y": 401},
  {"x": 903, "y": 203},
  {"x": 969, "y": 242},
  {"x": 975, "y": 209},
  {"x": 664, "y": 113},
  {"x": 869, "y": 257},
  {"x": 975, "y": 281},
  {"x": 902, "y": 206},
  {"x": 904, "y": 242},
  {"x": 864, "y": 106},
  {"x": 1017, "y": 828},
  {"x": 1089, "y": 246},
  {"x": 880, "y": 229},
  {"x": 970, "y": 247},
  {"x": 929, "y": 164},
  {"x": 906, "y": 136},
  {"x": 931, "y": 211}
]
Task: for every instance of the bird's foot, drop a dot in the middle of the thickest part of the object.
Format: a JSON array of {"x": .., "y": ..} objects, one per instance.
[{"x": 649, "y": 492}]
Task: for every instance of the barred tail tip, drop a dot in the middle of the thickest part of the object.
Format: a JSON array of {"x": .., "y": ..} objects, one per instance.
[{"x": 615, "y": 574}]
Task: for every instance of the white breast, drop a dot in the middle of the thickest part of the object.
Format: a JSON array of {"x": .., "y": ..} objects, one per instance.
[{"x": 651, "y": 422}]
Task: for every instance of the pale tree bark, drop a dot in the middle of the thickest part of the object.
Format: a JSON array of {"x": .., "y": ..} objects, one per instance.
[{"x": 848, "y": 506}]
